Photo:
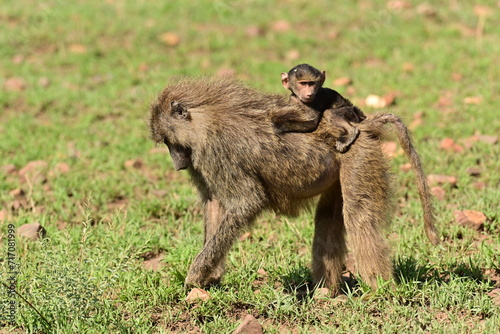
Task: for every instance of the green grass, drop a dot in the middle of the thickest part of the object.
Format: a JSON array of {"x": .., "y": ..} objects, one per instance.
[{"x": 105, "y": 61}]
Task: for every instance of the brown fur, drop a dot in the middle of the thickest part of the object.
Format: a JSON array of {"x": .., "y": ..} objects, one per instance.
[
  {"x": 221, "y": 132},
  {"x": 305, "y": 82}
]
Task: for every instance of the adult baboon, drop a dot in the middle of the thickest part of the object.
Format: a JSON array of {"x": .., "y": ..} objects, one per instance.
[{"x": 221, "y": 132}]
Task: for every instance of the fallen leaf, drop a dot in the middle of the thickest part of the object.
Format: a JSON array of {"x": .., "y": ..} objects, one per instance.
[
  {"x": 398, "y": 5},
  {"x": 197, "y": 294},
  {"x": 250, "y": 325},
  {"x": 281, "y": 26},
  {"x": 406, "y": 167},
  {"x": 262, "y": 272},
  {"x": 457, "y": 76},
  {"x": 389, "y": 148},
  {"x": 473, "y": 100},
  {"x": 449, "y": 144},
  {"x": 34, "y": 171},
  {"x": 322, "y": 293},
  {"x": 408, "y": 67},
  {"x": 77, "y": 48},
  {"x": 17, "y": 59},
  {"x": 293, "y": 55},
  {"x": 426, "y": 10},
  {"x": 334, "y": 34},
  {"x": 33, "y": 231},
  {"x": 160, "y": 193},
  {"x": 9, "y": 169},
  {"x": 437, "y": 179},
  {"x": 445, "y": 100},
  {"x": 469, "y": 142},
  {"x": 473, "y": 171},
  {"x": 254, "y": 31},
  {"x": 390, "y": 98},
  {"x": 492, "y": 140},
  {"x": 479, "y": 185},
  {"x": 245, "y": 236},
  {"x": 44, "y": 82},
  {"x": 3, "y": 214},
  {"x": 170, "y": 38},
  {"x": 470, "y": 218},
  {"x": 342, "y": 81},
  {"x": 417, "y": 120},
  {"x": 482, "y": 10},
  {"x": 439, "y": 193},
  {"x": 155, "y": 263},
  {"x": 134, "y": 163},
  {"x": 495, "y": 296},
  {"x": 14, "y": 84},
  {"x": 18, "y": 192}
]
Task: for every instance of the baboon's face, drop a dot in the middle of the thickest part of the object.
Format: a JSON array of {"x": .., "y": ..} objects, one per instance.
[{"x": 170, "y": 124}]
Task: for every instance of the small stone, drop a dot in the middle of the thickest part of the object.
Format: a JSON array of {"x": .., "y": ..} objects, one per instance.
[
  {"x": 33, "y": 231},
  {"x": 197, "y": 294},
  {"x": 250, "y": 325}
]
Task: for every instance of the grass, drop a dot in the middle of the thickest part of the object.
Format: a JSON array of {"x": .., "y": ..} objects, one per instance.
[{"x": 91, "y": 68}]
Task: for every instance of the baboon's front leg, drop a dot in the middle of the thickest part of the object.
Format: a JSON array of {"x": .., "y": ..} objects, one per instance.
[
  {"x": 329, "y": 246},
  {"x": 214, "y": 213},
  {"x": 222, "y": 227}
]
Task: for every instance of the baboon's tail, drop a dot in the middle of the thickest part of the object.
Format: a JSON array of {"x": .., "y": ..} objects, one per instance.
[{"x": 423, "y": 188}]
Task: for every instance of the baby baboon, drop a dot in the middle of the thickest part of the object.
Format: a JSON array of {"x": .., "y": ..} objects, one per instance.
[
  {"x": 221, "y": 132},
  {"x": 306, "y": 84}
]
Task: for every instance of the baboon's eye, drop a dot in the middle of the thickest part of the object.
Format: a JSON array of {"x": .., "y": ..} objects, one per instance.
[{"x": 178, "y": 110}]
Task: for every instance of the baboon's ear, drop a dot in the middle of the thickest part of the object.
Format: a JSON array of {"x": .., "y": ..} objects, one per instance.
[
  {"x": 322, "y": 78},
  {"x": 284, "y": 80},
  {"x": 178, "y": 110}
]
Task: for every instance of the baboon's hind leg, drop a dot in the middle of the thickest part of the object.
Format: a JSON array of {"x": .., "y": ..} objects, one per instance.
[
  {"x": 329, "y": 247},
  {"x": 366, "y": 192}
]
